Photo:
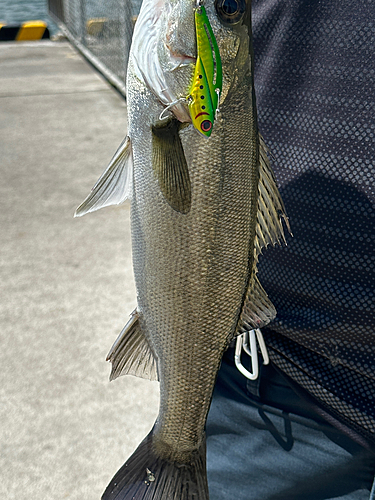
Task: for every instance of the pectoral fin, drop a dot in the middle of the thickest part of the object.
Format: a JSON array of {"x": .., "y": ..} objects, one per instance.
[
  {"x": 131, "y": 353},
  {"x": 115, "y": 184},
  {"x": 169, "y": 164}
]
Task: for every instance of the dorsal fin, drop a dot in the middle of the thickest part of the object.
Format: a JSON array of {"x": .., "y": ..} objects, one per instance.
[
  {"x": 169, "y": 164},
  {"x": 114, "y": 185},
  {"x": 271, "y": 211},
  {"x": 131, "y": 353},
  {"x": 258, "y": 310}
]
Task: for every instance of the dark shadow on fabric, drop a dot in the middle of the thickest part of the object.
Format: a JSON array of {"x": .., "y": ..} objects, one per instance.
[{"x": 324, "y": 279}]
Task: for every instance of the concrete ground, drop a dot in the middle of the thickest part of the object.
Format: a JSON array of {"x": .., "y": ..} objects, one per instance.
[{"x": 66, "y": 284}]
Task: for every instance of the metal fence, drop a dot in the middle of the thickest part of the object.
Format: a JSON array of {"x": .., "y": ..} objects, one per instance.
[{"x": 101, "y": 30}]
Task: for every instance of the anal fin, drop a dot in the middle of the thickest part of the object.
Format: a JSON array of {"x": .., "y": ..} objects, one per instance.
[{"x": 131, "y": 353}]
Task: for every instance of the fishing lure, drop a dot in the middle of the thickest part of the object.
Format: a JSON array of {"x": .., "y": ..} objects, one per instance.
[{"x": 207, "y": 83}]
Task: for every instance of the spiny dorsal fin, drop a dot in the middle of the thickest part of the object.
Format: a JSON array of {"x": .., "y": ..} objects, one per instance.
[
  {"x": 131, "y": 353},
  {"x": 169, "y": 164},
  {"x": 258, "y": 310},
  {"x": 115, "y": 184},
  {"x": 271, "y": 211}
]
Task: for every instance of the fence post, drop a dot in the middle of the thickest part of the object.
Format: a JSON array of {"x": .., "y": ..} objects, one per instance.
[
  {"x": 126, "y": 32},
  {"x": 82, "y": 21}
]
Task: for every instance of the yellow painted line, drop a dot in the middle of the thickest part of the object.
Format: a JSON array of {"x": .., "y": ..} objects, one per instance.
[
  {"x": 95, "y": 26},
  {"x": 31, "y": 30}
]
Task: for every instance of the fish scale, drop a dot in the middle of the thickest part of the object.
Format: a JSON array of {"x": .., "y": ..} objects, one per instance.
[
  {"x": 188, "y": 266},
  {"x": 202, "y": 209}
]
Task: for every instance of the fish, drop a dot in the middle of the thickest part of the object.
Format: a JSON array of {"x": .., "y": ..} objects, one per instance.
[{"x": 204, "y": 204}]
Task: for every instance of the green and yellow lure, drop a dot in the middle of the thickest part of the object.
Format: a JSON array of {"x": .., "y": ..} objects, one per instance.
[{"x": 206, "y": 88}]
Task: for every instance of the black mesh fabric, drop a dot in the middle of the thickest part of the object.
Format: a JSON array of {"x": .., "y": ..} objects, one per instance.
[{"x": 315, "y": 83}]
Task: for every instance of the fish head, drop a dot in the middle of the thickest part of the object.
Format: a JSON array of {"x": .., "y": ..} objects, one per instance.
[{"x": 182, "y": 50}]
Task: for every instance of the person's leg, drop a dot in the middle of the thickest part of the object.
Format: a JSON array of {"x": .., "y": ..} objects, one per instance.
[
  {"x": 258, "y": 451},
  {"x": 372, "y": 495}
]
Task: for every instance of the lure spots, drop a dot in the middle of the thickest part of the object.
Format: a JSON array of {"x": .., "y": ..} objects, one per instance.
[{"x": 207, "y": 80}]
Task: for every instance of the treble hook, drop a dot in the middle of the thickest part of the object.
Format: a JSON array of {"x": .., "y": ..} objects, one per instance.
[{"x": 174, "y": 103}]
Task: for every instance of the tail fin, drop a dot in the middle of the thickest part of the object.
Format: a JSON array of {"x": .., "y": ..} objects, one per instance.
[{"x": 145, "y": 476}]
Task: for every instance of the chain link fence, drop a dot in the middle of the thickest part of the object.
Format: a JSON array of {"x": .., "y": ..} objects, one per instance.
[{"x": 102, "y": 30}]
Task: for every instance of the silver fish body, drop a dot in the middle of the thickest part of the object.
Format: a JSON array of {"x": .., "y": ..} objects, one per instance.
[
  {"x": 200, "y": 218},
  {"x": 192, "y": 270}
]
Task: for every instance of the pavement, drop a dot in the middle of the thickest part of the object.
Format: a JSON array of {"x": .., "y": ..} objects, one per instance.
[{"x": 66, "y": 284}]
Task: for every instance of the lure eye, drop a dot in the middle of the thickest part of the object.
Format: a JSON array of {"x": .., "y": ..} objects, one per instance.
[
  {"x": 230, "y": 11},
  {"x": 206, "y": 126}
]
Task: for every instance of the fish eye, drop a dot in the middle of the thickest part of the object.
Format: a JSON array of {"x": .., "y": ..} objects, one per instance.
[{"x": 230, "y": 11}]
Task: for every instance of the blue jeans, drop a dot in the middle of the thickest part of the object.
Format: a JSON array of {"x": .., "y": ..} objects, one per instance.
[{"x": 264, "y": 443}]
